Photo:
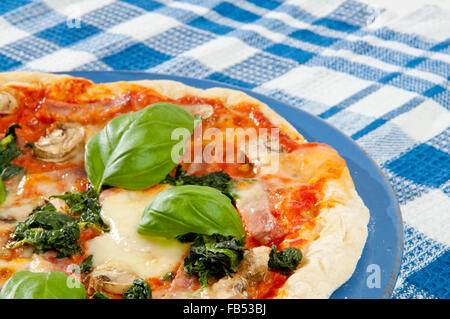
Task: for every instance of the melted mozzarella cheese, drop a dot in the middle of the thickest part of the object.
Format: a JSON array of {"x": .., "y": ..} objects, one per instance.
[
  {"x": 8, "y": 268},
  {"x": 145, "y": 256}
]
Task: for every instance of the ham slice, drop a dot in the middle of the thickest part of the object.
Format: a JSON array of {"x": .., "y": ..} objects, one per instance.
[
  {"x": 183, "y": 283},
  {"x": 254, "y": 207},
  {"x": 83, "y": 112}
]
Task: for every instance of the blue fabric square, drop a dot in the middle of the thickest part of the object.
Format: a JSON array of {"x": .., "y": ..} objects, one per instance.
[
  {"x": 353, "y": 12},
  {"x": 404, "y": 189},
  {"x": 418, "y": 250},
  {"x": 304, "y": 104},
  {"x": 290, "y": 52},
  {"x": 441, "y": 141},
  {"x": 111, "y": 15},
  {"x": 433, "y": 277},
  {"x": 7, "y": 63},
  {"x": 178, "y": 40},
  {"x": 231, "y": 11},
  {"x": 253, "y": 39},
  {"x": 104, "y": 44},
  {"x": 423, "y": 165},
  {"x": 63, "y": 35},
  {"x": 6, "y": 6},
  {"x": 313, "y": 38},
  {"x": 336, "y": 25},
  {"x": 210, "y": 26},
  {"x": 276, "y": 25},
  {"x": 148, "y": 5},
  {"x": 136, "y": 57},
  {"x": 216, "y": 76},
  {"x": 183, "y": 66},
  {"x": 34, "y": 17},
  {"x": 29, "y": 48},
  {"x": 259, "y": 68},
  {"x": 267, "y": 4},
  {"x": 94, "y": 66}
]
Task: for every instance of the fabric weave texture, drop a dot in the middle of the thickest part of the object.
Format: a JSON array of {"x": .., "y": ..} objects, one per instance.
[{"x": 378, "y": 73}]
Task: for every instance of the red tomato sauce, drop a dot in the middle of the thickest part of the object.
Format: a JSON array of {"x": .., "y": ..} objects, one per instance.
[{"x": 268, "y": 288}]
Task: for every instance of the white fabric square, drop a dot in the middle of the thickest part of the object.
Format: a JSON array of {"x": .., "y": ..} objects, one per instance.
[
  {"x": 381, "y": 101},
  {"x": 430, "y": 214},
  {"x": 318, "y": 84},
  {"x": 219, "y": 54},
  {"x": 10, "y": 33},
  {"x": 62, "y": 60},
  {"x": 385, "y": 143},
  {"x": 143, "y": 27},
  {"x": 78, "y": 8},
  {"x": 317, "y": 7},
  {"x": 424, "y": 121}
]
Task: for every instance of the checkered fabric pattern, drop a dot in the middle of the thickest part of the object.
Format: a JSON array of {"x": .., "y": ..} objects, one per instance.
[{"x": 380, "y": 74}]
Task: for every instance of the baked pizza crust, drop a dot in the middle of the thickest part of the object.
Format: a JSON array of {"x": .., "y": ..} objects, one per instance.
[{"x": 330, "y": 259}]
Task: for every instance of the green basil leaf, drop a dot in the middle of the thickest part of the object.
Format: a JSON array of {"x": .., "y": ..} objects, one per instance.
[
  {"x": 190, "y": 209},
  {"x": 134, "y": 150},
  {"x": 2, "y": 192},
  {"x": 42, "y": 285}
]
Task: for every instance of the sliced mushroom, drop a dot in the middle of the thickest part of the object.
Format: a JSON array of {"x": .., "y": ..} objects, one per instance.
[
  {"x": 228, "y": 288},
  {"x": 202, "y": 110},
  {"x": 251, "y": 271},
  {"x": 111, "y": 278},
  {"x": 261, "y": 150},
  {"x": 60, "y": 143},
  {"x": 8, "y": 103},
  {"x": 255, "y": 264}
]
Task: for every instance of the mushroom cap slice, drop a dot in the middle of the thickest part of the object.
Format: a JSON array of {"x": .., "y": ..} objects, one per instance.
[
  {"x": 59, "y": 144},
  {"x": 8, "y": 103},
  {"x": 202, "y": 110},
  {"x": 111, "y": 278}
]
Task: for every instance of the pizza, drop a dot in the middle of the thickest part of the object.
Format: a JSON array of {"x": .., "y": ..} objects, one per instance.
[{"x": 155, "y": 189}]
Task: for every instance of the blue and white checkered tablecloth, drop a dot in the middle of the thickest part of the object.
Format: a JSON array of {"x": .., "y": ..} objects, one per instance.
[{"x": 380, "y": 74}]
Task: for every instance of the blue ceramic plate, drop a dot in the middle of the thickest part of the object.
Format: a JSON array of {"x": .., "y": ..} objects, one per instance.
[{"x": 383, "y": 251}]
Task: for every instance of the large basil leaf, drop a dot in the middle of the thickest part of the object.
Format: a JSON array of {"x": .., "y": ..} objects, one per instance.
[
  {"x": 134, "y": 150},
  {"x": 2, "y": 192},
  {"x": 190, "y": 209},
  {"x": 42, "y": 285}
]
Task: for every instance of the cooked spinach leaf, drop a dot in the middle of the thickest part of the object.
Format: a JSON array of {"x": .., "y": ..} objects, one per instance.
[
  {"x": 86, "y": 206},
  {"x": 46, "y": 229},
  {"x": 138, "y": 290},
  {"x": 218, "y": 180},
  {"x": 100, "y": 295},
  {"x": 168, "y": 277},
  {"x": 86, "y": 265},
  {"x": 285, "y": 261},
  {"x": 214, "y": 256},
  {"x": 8, "y": 152}
]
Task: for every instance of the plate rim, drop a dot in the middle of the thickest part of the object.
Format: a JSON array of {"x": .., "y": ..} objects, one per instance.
[{"x": 387, "y": 185}]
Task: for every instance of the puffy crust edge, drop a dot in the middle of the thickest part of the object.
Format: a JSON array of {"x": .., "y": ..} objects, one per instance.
[{"x": 330, "y": 260}]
